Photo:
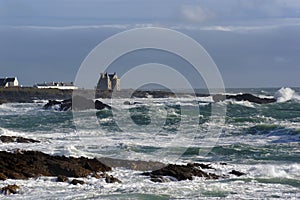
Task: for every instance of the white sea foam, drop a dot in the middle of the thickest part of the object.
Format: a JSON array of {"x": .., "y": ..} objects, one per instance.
[
  {"x": 286, "y": 94},
  {"x": 242, "y": 103},
  {"x": 61, "y": 142}
]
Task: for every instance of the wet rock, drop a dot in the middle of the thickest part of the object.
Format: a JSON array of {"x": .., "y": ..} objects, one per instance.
[
  {"x": 111, "y": 179},
  {"x": 33, "y": 164},
  {"x": 9, "y": 139},
  {"x": 237, "y": 173},
  {"x": 76, "y": 103},
  {"x": 244, "y": 97},
  {"x": 76, "y": 181},
  {"x": 100, "y": 106},
  {"x": 10, "y": 189},
  {"x": 132, "y": 164},
  {"x": 61, "y": 178},
  {"x": 181, "y": 172}
]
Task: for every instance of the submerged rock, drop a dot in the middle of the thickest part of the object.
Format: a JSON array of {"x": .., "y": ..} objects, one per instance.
[
  {"x": 237, "y": 173},
  {"x": 9, "y": 139},
  {"x": 76, "y": 103},
  {"x": 243, "y": 97}
]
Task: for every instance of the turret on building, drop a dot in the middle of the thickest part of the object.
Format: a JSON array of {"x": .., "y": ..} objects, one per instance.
[{"x": 109, "y": 82}]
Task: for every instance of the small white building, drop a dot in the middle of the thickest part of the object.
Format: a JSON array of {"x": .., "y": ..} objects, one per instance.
[
  {"x": 9, "y": 82},
  {"x": 56, "y": 85}
]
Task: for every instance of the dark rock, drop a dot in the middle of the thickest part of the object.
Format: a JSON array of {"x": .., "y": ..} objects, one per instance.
[
  {"x": 76, "y": 181},
  {"x": 244, "y": 97},
  {"x": 51, "y": 103},
  {"x": 237, "y": 173},
  {"x": 10, "y": 189},
  {"x": 2, "y": 177},
  {"x": 100, "y": 106},
  {"x": 182, "y": 172},
  {"x": 111, "y": 179},
  {"x": 132, "y": 164},
  {"x": 61, "y": 178},
  {"x": 33, "y": 164},
  {"x": 9, "y": 139},
  {"x": 76, "y": 103}
]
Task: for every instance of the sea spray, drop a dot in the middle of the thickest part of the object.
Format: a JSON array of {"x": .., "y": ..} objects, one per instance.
[{"x": 285, "y": 94}]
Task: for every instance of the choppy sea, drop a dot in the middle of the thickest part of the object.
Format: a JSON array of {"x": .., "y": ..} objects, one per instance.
[{"x": 262, "y": 141}]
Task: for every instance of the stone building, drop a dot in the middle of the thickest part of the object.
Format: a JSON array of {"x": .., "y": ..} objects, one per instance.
[{"x": 109, "y": 82}]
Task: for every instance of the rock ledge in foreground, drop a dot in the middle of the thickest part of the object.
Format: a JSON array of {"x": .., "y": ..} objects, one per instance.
[{"x": 27, "y": 164}]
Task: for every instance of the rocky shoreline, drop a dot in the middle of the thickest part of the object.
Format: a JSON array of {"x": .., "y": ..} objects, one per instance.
[
  {"x": 29, "y": 95},
  {"x": 23, "y": 164}
]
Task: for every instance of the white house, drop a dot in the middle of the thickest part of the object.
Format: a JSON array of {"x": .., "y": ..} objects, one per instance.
[
  {"x": 56, "y": 85},
  {"x": 9, "y": 82}
]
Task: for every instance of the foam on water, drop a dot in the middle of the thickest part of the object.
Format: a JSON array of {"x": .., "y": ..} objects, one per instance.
[
  {"x": 286, "y": 94},
  {"x": 260, "y": 140}
]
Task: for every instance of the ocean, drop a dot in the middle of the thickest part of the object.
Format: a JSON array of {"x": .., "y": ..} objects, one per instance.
[{"x": 261, "y": 140}]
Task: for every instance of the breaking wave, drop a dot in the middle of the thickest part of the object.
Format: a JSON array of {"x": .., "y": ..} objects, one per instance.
[{"x": 286, "y": 94}]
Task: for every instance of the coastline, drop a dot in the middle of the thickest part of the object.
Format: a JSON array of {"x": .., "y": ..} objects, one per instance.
[{"x": 30, "y": 94}]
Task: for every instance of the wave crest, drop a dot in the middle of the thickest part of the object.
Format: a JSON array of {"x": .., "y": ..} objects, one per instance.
[{"x": 286, "y": 94}]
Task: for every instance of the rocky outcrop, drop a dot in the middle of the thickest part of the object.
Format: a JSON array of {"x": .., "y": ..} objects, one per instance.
[
  {"x": 132, "y": 164},
  {"x": 62, "y": 178},
  {"x": 9, "y": 139},
  {"x": 10, "y": 189},
  {"x": 76, "y": 181},
  {"x": 179, "y": 173},
  {"x": 30, "y": 94},
  {"x": 237, "y": 173},
  {"x": 27, "y": 164},
  {"x": 243, "y": 97},
  {"x": 111, "y": 179},
  {"x": 76, "y": 103}
]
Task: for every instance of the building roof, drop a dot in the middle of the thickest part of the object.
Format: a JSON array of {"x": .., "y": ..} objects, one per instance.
[
  {"x": 3, "y": 81},
  {"x": 11, "y": 79}
]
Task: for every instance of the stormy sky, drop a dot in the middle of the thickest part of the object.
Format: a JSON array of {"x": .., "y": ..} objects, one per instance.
[{"x": 254, "y": 43}]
